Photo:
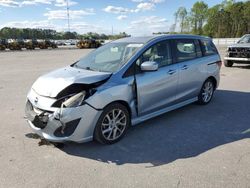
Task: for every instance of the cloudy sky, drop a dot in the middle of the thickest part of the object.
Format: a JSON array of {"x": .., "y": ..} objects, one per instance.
[{"x": 136, "y": 17}]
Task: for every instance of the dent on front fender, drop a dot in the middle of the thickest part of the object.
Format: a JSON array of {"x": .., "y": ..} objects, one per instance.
[
  {"x": 114, "y": 92},
  {"x": 86, "y": 126}
]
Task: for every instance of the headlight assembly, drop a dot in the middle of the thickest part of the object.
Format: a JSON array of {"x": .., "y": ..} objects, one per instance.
[
  {"x": 70, "y": 101},
  {"x": 75, "y": 100}
]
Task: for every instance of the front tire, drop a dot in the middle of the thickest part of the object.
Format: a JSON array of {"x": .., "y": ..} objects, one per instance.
[
  {"x": 228, "y": 63},
  {"x": 112, "y": 124},
  {"x": 207, "y": 92}
]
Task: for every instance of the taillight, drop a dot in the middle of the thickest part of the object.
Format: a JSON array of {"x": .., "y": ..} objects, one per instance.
[{"x": 219, "y": 63}]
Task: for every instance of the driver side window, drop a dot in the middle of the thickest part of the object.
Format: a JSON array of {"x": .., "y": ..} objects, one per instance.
[{"x": 159, "y": 53}]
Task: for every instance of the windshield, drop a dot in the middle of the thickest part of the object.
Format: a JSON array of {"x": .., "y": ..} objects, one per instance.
[
  {"x": 108, "y": 58},
  {"x": 245, "y": 39}
]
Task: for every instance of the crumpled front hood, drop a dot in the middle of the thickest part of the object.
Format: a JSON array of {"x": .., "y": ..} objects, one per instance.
[
  {"x": 240, "y": 45},
  {"x": 51, "y": 84}
]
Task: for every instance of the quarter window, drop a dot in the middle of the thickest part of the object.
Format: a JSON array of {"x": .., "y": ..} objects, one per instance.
[{"x": 208, "y": 47}]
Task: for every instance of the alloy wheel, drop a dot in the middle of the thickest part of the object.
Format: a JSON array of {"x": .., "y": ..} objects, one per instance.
[
  {"x": 113, "y": 124},
  {"x": 207, "y": 91}
]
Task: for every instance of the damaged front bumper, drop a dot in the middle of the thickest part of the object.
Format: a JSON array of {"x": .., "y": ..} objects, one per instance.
[{"x": 60, "y": 125}]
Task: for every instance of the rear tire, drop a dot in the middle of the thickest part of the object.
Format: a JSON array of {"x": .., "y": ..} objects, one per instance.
[
  {"x": 207, "y": 92},
  {"x": 228, "y": 63},
  {"x": 112, "y": 124}
]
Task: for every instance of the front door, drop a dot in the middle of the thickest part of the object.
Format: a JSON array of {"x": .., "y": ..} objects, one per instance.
[{"x": 156, "y": 90}]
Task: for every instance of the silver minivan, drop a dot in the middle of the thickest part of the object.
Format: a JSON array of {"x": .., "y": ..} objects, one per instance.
[{"x": 121, "y": 84}]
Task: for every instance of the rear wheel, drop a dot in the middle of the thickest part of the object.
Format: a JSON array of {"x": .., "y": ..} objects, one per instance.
[
  {"x": 206, "y": 93},
  {"x": 228, "y": 63},
  {"x": 112, "y": 124}
]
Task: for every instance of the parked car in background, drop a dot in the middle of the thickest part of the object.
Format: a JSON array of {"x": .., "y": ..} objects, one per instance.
[
  {"x": 239, "y": 52},
  {"x": 60, "y": 43},
  {"x": 123, "y": 83}
]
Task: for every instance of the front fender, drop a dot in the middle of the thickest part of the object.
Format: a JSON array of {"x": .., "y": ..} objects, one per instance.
[{"x": 113, "y": 92}]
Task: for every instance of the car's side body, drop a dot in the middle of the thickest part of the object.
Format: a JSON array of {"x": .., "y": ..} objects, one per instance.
[
  {"x": 198, "y": 71},
  {"x": 145, "y": 94}
]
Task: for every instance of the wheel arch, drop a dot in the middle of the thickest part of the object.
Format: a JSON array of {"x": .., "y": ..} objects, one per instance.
[
  {"x": 124, "y": 103},
  {"x": 213, "y": 80}
]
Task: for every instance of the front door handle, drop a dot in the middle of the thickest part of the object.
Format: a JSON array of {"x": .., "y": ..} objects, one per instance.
[
  {"x": 171, "y": 72},
  {"x": 185, "y": 67}
]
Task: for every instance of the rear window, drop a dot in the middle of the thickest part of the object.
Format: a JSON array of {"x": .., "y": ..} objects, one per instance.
[{"x": 208, "y": 48}]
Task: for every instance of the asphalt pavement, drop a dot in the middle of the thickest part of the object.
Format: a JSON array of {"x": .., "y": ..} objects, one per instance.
[{"x": 195, "y": 146}]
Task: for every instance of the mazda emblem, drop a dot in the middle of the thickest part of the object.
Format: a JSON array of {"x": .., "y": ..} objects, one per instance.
[{"x": 36, "y": 100}]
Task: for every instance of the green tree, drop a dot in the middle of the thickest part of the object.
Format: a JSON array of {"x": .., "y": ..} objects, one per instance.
[
  {"x": 246, "y": 16},
  {"x": 227, "y": 19},
  {"x": 181, "y": 14},
  {"x": 198, "y": 16}
]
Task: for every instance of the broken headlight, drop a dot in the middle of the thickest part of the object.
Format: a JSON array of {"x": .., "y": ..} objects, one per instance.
[
  {"x": 71, "y": 101},
  {"x": 75, "y": 100}
]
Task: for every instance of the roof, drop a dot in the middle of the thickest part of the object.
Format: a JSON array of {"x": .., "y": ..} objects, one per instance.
[
  {"x": 135, "y": 39},
  {"x": 146, "y": 39}
]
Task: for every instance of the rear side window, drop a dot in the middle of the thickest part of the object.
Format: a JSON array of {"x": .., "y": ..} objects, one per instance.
[
  {"x": 185, "y": 50},
  {"x": 208, "y": 48}
]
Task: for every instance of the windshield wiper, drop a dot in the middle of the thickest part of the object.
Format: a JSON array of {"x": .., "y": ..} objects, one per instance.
[
  {"x": 88, "y": 68},
  {"x": 75, "y": 65}
]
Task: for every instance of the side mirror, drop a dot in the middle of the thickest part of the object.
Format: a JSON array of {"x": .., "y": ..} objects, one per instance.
[{"x": 149, "y": 66}]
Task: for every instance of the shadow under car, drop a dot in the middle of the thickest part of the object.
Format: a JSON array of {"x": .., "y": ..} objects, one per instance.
[{"x": 180, "y": 134}]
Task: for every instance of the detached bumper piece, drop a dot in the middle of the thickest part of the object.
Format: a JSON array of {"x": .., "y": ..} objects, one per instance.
[
  {"x": 40, "y": 121},
  {"x": 60, "y": 124},
  {"x": 44, "y": 121},
  {"x": 38, "y": 117},
  {"x": 68, "y": 129}
]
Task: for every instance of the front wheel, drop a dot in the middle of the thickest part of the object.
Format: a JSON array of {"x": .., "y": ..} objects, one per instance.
[
  {"x": 206, "y": 93},
  {"x": 228, "y": 63},
  {"x": 112, "y": 124}
]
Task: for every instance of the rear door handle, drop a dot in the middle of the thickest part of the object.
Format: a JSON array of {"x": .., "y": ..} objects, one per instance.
[
  {"x": 185, "y": 67},
  {"x": 171, "y": 72}
]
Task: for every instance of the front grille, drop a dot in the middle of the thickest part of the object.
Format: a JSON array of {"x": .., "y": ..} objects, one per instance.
[{"x": 239, "y": 52}]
